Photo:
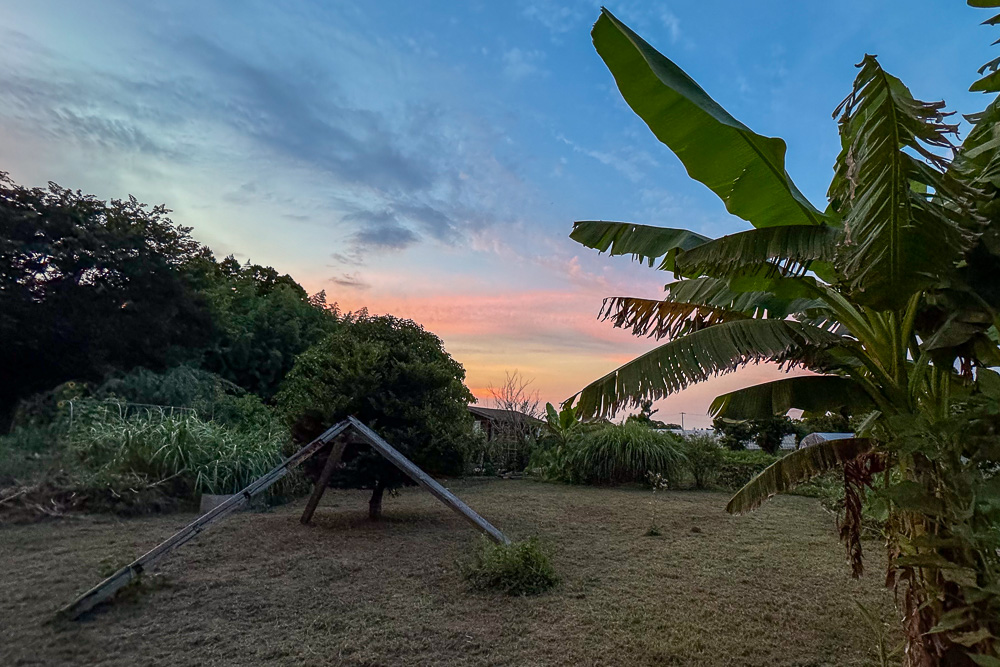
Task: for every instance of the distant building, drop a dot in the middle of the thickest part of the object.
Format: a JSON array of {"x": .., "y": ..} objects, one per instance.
[{"x": 493, "y": 421}]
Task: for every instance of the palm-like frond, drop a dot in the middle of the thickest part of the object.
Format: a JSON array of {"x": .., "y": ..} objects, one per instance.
[
  {"x": 663, "y": 319},
  {"x": 811, "y": 393},
  {"x": 789, "y": 249},
  {"x": 898, "y": 238},
  {"x": 644, "y": 242},
  {"x": 746, "y": 170},
  {"x": 700, "y": 355},
  {"x": 692, "y": 305},
  {"x": 796, "y": 468},
  {"x": 978, "y": 159}
]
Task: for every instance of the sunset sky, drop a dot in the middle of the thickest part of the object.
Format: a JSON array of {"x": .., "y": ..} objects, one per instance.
[{"x": 428, "y": 159}]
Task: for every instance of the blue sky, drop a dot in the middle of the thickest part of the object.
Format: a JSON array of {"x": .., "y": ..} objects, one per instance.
[{"x": 428, "y": 159}]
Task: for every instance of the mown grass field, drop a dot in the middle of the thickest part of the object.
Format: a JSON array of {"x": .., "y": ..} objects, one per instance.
[{"x": 768, "y": 589}]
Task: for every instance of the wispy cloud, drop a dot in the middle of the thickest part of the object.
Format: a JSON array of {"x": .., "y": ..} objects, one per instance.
[
  {"x": 351, "y": 281},
  {"x": 380, "y": 230},
  {"x": 631, "y": 162},
  {"x": 389, "y": 176},
  {"x": 518, "y": 64},
  {"x": 558, "y": 17}
]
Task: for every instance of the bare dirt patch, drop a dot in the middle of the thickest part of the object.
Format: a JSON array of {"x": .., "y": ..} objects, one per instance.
[{"x": 768, "y": 589}]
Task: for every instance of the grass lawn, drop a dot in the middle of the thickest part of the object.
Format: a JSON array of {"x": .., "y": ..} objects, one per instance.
[{"x": 768, "y": 589}]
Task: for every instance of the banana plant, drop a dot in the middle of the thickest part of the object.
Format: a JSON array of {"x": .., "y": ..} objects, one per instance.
[
  {"x": 887, "y": 296},
  {"x": 563, "y": 425}
]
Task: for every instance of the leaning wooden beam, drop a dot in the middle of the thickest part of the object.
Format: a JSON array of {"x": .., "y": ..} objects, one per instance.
[
  {"x": 428, "y": 482},
  {"x": 133, "y": 570},
  {"x": 336, "y": 452}
]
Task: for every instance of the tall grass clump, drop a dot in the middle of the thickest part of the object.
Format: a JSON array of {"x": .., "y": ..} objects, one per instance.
[
  {"x": 190, "y": 454},
  {"x": 624, "y": 453},
  {"x": 519, "y": 568}
]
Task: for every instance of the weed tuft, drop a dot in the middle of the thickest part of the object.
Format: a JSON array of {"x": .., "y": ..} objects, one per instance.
[{"x": 519, "y": 568}]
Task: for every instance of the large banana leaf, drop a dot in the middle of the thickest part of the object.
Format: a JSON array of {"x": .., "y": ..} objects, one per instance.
[
  {"x": 898, "y": 238},
  {"x": 790, "y": 249},
  {"x": 698, "y": 356},
  {"x": 796, "y": 468},
  {"x": 644, "y": 242},
  {"x": 811, "y": 393},
  {"x": 746, "y": 170}
]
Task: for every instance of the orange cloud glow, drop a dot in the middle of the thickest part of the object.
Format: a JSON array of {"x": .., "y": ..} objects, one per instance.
[{"x": 551, "y": 336}]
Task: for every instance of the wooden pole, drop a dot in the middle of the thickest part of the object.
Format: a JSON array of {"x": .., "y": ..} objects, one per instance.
[
  {"x": 428, "y": 482},
  {"x": 336, "y": 452},
  {"x": 133, "y": 570}
]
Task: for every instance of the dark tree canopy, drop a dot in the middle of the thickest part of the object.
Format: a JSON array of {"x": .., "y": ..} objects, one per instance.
[
  {"x": 87, "y": 287},
  {"x": 263, "y": 321},
  {"x": 395, "y": 377},
  {"x": 91, "y": 289},
  {"x": 765, "y": 433}
]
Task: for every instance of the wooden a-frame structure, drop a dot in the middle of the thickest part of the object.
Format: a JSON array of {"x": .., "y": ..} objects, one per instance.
[{"x": 331, "y": 437}]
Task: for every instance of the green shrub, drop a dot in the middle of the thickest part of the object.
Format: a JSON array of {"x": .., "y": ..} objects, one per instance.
[
  {"x": 397, "y": 378},
  {"x": 740, "y": 466},
  {"x": 619, "y": 454},
  {"x": 187, "y": 453},
  {"x": 704, "y": 458},
  {"x": 518, "y": 568}
]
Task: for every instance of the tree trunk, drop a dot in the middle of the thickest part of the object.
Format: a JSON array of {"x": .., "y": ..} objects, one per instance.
[{"x": 375, "y": 504}]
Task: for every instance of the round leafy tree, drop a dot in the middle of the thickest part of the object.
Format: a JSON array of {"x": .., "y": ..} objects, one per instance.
[{"x": 395, "y": 377}]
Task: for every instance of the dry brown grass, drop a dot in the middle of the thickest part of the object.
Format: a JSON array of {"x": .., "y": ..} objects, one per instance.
[{"x": 766, "y": 589}]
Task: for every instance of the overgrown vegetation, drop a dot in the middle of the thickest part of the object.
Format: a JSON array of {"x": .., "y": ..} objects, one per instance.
[
  {"x": 132, "y": 458},
  {"x": 111, "y": 306},
  {"x": 190, "y": 455},
  {"x": 518, "y": 568}
]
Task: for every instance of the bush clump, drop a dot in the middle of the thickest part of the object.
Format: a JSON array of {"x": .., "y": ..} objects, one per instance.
[
  {"x": 704, "y": 459},
  {"x": 626, "y": 453},
  {"x": 740, "y": 466},
  {"x": 395, "y": 377},
  {"x": 518, "y": 568}
]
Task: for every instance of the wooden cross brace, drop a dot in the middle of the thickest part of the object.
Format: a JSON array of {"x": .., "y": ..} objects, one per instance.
[{"x": 133, "y": 570}]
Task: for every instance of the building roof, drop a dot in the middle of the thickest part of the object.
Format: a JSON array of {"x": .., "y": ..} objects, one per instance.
[{"x": 495, "y": 414}]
